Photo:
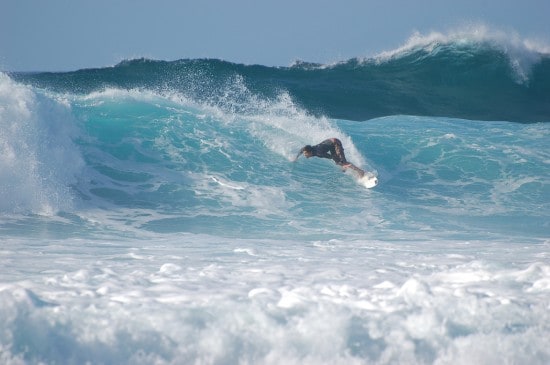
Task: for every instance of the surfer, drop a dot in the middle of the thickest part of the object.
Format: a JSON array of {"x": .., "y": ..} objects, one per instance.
[{"x": 330, "y": 148}]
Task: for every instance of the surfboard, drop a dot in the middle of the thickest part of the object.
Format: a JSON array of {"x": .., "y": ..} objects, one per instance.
[{"x": 368, "y": 180}]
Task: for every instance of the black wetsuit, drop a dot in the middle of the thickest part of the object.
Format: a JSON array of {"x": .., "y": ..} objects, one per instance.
[{"x": 330, "y": 148}]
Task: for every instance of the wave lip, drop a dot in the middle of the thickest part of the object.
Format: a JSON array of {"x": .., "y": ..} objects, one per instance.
[{"x": 522, "y": 53}]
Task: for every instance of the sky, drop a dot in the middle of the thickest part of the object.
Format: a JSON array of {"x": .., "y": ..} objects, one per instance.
[{"x": 65, "y": 35}]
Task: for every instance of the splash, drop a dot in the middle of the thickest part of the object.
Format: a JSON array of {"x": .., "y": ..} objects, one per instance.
[{"x": 38, "y": 158}]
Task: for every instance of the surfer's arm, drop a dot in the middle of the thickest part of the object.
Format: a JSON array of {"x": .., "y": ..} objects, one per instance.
[{"x": 298, "y": 155}]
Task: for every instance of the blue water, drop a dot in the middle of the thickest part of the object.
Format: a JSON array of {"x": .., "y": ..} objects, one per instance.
[{"x": 151, "y": 213}]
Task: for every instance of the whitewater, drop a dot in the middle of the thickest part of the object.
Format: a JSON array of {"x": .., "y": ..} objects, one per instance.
[{"x": 151, "y": 212}]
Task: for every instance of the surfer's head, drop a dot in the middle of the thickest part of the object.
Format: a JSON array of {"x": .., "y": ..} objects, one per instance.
[{"x": 307, "y": 151}]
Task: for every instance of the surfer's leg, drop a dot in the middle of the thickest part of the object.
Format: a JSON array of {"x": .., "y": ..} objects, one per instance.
[
  {"x": 355, "y": 168},
  {"x": 339, "y": 152}
]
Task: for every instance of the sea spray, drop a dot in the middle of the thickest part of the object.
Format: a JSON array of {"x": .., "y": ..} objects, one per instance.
[{"x": 39, "y": 159}]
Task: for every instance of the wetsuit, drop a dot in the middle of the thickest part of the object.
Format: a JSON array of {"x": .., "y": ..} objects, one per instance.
[{"x": 330, "y": 148}]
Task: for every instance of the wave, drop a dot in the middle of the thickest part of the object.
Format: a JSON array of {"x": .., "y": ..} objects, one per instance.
[
  {"x": 472, "y": 74},
  {"x": 139, "y": 161},
  {"x": 129, "y": 149},
  {"x": 521, "y": 53}
]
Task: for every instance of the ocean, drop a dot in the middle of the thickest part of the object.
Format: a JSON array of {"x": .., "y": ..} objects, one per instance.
[{"x": 151, "y": 212}]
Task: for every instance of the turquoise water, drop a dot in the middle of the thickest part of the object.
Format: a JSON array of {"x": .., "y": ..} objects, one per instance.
[{"x": 151, "y": 212}]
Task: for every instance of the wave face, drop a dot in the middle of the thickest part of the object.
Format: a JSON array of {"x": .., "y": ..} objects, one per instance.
[
  {"x": 463, "y": 76},
  {"x": 201, "y": 168},
  {"x": 150, "y": 213}
]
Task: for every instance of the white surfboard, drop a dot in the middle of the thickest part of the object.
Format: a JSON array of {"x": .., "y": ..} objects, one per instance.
[{"x": 369, "y": 180}]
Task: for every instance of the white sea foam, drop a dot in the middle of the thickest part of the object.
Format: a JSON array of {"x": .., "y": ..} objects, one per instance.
[{"x": 203, "y": 299}]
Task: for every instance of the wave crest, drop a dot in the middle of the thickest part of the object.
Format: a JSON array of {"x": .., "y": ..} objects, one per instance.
[{"x": 522, "y": 53}]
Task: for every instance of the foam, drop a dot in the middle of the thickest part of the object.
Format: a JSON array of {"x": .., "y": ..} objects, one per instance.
[{"x": 206, "y": 299}]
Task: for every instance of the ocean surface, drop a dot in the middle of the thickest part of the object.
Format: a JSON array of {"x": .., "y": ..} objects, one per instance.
[{"x": 150, "y": 212}]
